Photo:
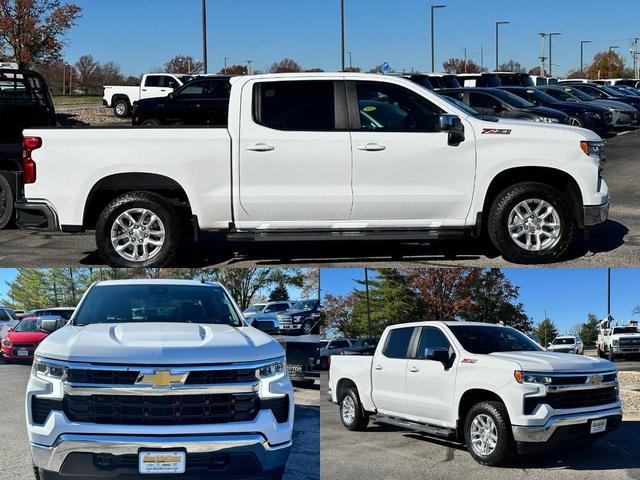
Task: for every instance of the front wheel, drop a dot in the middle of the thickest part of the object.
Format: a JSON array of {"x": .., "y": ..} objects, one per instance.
[
  {"x": 610, "y": 355},
  {"x": 531, "y": 223},
  {"x": 575, "y": 122},
  {"x": 138, "y": 229},
  {"x": 307, "y": 327},
  {"x": 487, "y": 433},
  {"x": 151, "y": 123}
]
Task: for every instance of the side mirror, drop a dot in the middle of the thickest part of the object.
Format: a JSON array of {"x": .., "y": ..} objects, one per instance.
[
  {"x": 266, "y": 326},
  {"x": 441, "y": 355},
  {"x": 49, "y": 326},
  {"x": 173, "y": 85},
  {"x": 452, "y": 125},
  {"x": 171, "y": 96}
]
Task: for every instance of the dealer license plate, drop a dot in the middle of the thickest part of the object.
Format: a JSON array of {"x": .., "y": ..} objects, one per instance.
[
  {"x": 23, "y": 353},
  {"x": 155, "y": 463},
  {"x": 599, "y": 426}
]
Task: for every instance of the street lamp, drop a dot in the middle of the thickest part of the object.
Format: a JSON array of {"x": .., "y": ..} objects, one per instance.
[
  {"x": 465, "y": 60},
  {"x": 342, "y": 33},
  {"x": 249, "y": 62},
  {"x": 582, "y": 44},
  {"x": 433, "y": 36},
  {"x": 613, "y": 47},
  {"x": 350, "y": 60},
  {"x": 498, "y": 42},
  {"x": 225, "y": 65},
  {"x": 551, "y": 35}
]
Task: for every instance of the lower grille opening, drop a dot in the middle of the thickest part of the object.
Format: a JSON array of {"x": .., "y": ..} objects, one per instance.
[
  {"x": 279, "y": 407},
  {"x": 573, "y": 399},
  {"x": 42, "y": 407}
]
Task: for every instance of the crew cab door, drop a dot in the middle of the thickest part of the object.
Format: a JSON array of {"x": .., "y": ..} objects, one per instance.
[
  {"x": 294, "y": 154},
  {"x": 430, "y": 383},
  {"x": 404, "y": 170},
  {"x": 157, "y": 86},
  {"x": 389, "y": 372}
]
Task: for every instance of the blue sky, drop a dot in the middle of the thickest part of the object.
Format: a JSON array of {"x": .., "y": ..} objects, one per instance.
[
  {"x": 143, "y": 34},
  {"x": 567, "y": 294}
]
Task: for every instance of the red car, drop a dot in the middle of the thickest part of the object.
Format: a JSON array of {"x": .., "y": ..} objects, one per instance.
[{"x": 23, "y": 339}]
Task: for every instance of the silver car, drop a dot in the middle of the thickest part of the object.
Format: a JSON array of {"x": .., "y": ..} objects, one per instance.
[{"x": 567, "y": 344}]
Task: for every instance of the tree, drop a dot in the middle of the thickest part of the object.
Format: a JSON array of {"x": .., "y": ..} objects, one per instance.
[
  {"x": 353, "y": 69},
  {"x": 314, "y": 70},
  {"x": 234, "y": 70},
  {"x": 589, "y": 330},
  {"x": 280, "y": 292},
  {"x": 378, "y": 69},
  {"x": 286, "y": 65},
  {"x": 87, "y": 70},
  {"x": 310, "y": 283},
  {"x": 546, "y": 331},
  {"x": 512, "y": 66},
  {"x": 457, "y": 65},
  {"x": 109, "y": 74},
  {"x": 607, "y": 64},
  {"x": 184, "y": 64},
  {"x": 33, "y": 30},
  {"x": 338, "y": 312},
  {"x": 536, "y": 71}
]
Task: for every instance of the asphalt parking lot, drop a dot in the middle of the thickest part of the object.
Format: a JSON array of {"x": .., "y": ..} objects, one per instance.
[
  {"x": 15, "y": 459},
  {"x": 615, "y": 243},
  {"x": 388, "y": 453}
]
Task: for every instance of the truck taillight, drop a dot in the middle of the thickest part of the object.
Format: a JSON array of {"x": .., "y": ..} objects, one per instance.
[{"x": 29, "y": 144}]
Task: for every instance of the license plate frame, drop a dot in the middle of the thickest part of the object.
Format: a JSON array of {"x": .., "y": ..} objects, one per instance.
[
  {"x": 162, "y": 462},
  {"x": 598, "y": 426},
  {"x": 22, "y": 353}
]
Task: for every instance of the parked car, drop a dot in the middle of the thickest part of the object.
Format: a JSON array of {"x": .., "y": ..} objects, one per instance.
[
  {"x": 248, "y": 184},
  {"x": 362, "y": 346},
  {"x": 567, "y": 344},
  {"x": 122, "y": 98},
  {"x": 8, "y": 320},
  {"x": 618, "y": 341},
  {"x": 301, "y": 317},
  {"x": 332, "y": 347},
  {"x": 604, "y": 92},
  {"x": 484, "y": 80},
  {"x": 20, "y": 342},
  {"x": 624, "y": 115},
  {"x": 514, "y": 79},
  {"x": 64, "y": 312},
  {"x": 485, "y": 385},
  {"x": 193, "y": 390},
  {"x": 499, "y": 102},
  {"x": 303, "y": 354},
  {"x": 269, "y": 307},
  {"x": 595, "y": 118},
  {"x": 25, "y": 101},
  {"x": 201, "y": 102}
]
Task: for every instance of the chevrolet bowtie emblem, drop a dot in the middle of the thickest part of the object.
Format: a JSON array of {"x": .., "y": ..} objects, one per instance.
[
  {"x": 160, "y": 379},
  {"x": 597, "y": 379}
]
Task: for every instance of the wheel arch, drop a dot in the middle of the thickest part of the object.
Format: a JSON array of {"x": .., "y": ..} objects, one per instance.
[{"x": 470, "y": 398}]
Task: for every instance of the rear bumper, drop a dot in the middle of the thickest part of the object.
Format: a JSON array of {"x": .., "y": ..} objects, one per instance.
[
  {"x": 225, "y": 455},
  {"x": 564, "y": 429},
  {"x": 36, "y": 215}
]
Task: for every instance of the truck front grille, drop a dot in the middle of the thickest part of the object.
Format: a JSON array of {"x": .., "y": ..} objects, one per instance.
[
  {"x": 162, "y": 410},
  {"x": 573, "y": 399},
  {"x": 628, "y": 342},
  {"x": 129, "y": 377}
]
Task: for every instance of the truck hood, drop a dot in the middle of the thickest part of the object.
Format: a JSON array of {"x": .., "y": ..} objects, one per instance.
[
  {"x": 550, "y": 362},
  {"x": 159, "y": 344}
]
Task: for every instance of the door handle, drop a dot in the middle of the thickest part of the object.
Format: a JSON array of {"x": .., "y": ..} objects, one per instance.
[
  {"x": 261, "y": 147},
  {"x": 378, "y": 367},
  {"x": 414, "y": 369},
  {"x": 144, "y": 89},
  {"x": 372, "y": 147}
]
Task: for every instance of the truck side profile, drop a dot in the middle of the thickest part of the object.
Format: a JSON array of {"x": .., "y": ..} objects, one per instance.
[
  {"x": 158, "y": 377},
  {"x": 316, "y": 157},
  {"x": 487, "y": 386}
]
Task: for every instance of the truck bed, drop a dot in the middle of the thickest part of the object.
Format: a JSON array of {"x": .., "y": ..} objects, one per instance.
[{"x": 353, "y": 368}]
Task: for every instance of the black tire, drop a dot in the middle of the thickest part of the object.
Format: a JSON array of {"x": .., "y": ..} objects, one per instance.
[
  {"x": 507, "y": 200},
  {"x": 7, "y": 202},
  {"x": 576, "y": 122},
  {"x": 121, "y": 108},
  {"x": 151, "y": 123},
  {"x": 360, "y": 417},
  {"x": 504, "y": 449},
  {"x": 155, "y": 203},
  {"x": 610, "y": 355}
]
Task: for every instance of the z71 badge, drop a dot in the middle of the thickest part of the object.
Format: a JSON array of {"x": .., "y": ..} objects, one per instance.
[{"x": 496, "y": 131}]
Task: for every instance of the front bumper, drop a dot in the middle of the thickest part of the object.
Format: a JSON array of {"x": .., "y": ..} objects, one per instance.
[
  {"x": 36, "y": 215},
  {"x": 596, "y": 214},
  {"x": 563, "y": 428},
  {"x": 109, "y": 454}
]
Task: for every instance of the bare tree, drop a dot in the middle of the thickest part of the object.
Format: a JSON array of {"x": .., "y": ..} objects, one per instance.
[
  {"x": 184, "y": 64},
  {"x": 286, "y": 65},
  {"x": 87, "y": 73}
]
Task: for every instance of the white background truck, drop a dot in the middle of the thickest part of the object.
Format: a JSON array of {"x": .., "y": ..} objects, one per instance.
[
  {"x": 616, "y": 341},
  {"x": 320, "y": 157},
  {"x": 121, "y": 98},
  {"x": 488, "y": 386},
  {"x": 159, "y": 377}
]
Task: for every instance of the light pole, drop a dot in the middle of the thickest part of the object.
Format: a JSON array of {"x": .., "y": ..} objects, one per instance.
[
  {"x": 551, "y": 35},
  {"x": 433, "y": 36},
  {"x": 498, "y": 42},
  {"x": 613, "y": 47},
  {"x": 249, "y": 62},
  {"x": 342, "y": 41},
  {"x": 465, "y": 60},
  {"x": 366, "y": 286},
  {"x": 350, "y": 60},
  {"x": 225, "y": 65},
  {"x": 582, "y": 44},
  {"x": 204, "y": 37}
]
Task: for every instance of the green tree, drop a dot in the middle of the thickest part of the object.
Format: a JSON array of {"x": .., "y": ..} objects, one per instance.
[
  {"x": 546, "y": 331},
  {"x": 280, "y": 292},
  {"x": 588, "y": 331}
]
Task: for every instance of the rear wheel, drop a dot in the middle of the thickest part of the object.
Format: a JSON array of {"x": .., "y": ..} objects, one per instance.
[
  {"x": 576, "y": 122},
  {"x": 6, "y": 202},
  {"x": 121, "y": 108},
  {"x": 487, "y": 433},
  {"x": 307, "y": 327},
  {"x": 531, "y": 223},
  {"x": 352, "y": 414},
  {"x": 151, "y": 123}
]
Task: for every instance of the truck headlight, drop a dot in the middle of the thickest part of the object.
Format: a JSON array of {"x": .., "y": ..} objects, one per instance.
[
  {"x": 524, "y": 377},
  {"x": 594, "y": 149},
  {"x": 615, "y": 342},
  {"x": 47, "y": 370},
  {"x": 271, "y": 370}
]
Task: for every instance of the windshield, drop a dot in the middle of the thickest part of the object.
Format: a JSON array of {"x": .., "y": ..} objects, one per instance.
[
  {"x": 140, "y": 303},
  {"x": 450, "y": 81},
  {"x": 462, "y": 106},
  {"x": 563, "y": 341},
  {"x": 511, "y": 99},
  {"x": 66, "y": 314},
  {"x": 536, "y": 96},
  {"x": 305, "y": 305},
  {"x": 483, "y": 339},
  {"x": 611, "y": 91},
  {"x": 27, "y": 326},
  {"x": 585, "y": 97},
  {"x": 492, "y": 80},
  {"x": 255, "y": 308},
  {"x": 618, "y": 330},
  {"x": 366, "y": 342}
]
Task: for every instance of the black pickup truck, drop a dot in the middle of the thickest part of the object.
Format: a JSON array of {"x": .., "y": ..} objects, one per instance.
[{"x": 25, "y": 101}]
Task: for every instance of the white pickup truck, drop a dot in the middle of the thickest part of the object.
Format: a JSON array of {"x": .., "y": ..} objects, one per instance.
[
  {"x": 487, "y": 386},
  {"x": 616, "y": 341},
  {"x": 159, "y": 377},
  {"x": 326, "y": 156},
  {"x": 153, "y": 85}
]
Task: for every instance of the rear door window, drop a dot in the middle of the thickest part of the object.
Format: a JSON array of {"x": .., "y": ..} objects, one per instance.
[{"x": 398, "y": 341}]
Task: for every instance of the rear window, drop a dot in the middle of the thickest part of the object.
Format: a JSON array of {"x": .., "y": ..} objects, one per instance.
[
  {"x": 298, "y": 106},
  {"x": 397, "y": 345}
]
